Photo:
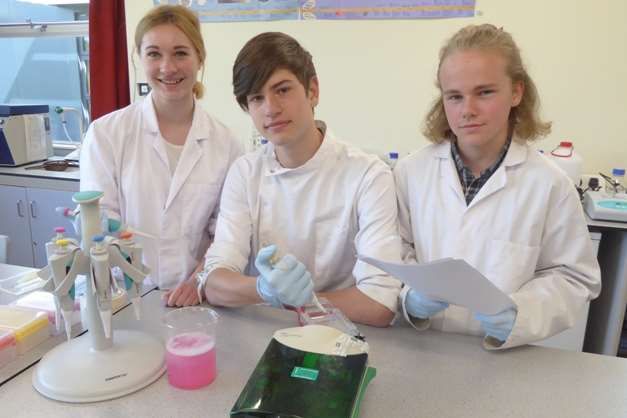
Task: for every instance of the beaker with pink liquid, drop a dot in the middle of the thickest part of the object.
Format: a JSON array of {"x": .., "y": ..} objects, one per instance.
[{"x": 191, "y": 346}]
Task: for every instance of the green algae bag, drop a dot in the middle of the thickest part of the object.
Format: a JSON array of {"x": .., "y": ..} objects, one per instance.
[{"x": 307, "y": 372}]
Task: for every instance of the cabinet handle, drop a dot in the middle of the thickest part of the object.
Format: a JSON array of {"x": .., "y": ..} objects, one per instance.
[
  {"x": 20, "y": 210},
  {"x": 33, "y": 207}
]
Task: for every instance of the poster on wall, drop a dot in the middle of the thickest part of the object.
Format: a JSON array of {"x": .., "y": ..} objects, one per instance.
[
  {"x": 387, "y": 9},
  {"x": 258, "y": 10}
]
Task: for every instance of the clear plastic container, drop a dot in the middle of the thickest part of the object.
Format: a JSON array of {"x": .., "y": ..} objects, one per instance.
[
  {"x": 19, "y": 285},
  {"x": 30, "y": 327},
  {"x": 191, "y": 346},
  {"x": 618, "y": 175},
  {"x": 44, "y": 302},
  {"x": 311, "y": 314},
  {"x": 8, "y": 347},
  {"x": 567, "y": 159}
]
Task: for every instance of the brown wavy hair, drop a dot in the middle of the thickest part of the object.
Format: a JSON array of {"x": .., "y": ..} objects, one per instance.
[
  {"x": 185, "y": 20},
  {"x": 524, "y": 119}
]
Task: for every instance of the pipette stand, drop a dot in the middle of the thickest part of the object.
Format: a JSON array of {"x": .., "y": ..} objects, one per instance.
[{"x": 100, "y": 364}]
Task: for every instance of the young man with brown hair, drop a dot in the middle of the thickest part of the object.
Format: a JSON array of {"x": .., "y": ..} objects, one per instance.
[{"x": 305, "y": 199}]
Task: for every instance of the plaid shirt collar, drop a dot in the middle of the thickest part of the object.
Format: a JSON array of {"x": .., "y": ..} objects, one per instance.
[{"x": 470, "y": 184}]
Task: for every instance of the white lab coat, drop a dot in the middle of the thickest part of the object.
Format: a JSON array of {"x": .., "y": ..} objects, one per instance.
[
  {"x": 124, "y": 156},
  {"x": 524, "y": 230},
  {"x": 338, "y": 204}
]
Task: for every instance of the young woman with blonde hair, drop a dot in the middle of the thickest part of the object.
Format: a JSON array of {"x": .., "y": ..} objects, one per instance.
[{"x": 161, "y": 161}]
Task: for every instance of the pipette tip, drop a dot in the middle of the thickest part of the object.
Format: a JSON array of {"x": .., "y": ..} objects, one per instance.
[{"x": 318, "y": 304}]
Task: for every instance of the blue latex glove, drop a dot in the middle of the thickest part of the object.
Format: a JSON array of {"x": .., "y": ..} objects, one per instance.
[
  {"x": 498, "y": 325},
  {"x": 422, "y": 307},
  {"x": 286, "y": 283}
]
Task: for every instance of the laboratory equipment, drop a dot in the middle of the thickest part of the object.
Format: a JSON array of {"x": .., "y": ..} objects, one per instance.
[
  {"x": 324, "y": 313},
  {"x": 24, "y": 134},
  {"x": 53, "y": 165},
  {"x": 619, "y": 177},
  {"x": 614, "y": 183},
  {"x": 308, "y": 372},
  {"x": 255, "y": 139},
  {"x": 275, "y": 258},
  {"x": 567, "y": 159},
  {"x": 30, "y": 327},
  {"x": 61, "y": 111},
  {"x": 51, "y": 247},
  {"x": 118, "y": 301},
  {"x": 602, "y": 206},
  {"x": 392, "y": 158},
  {"x": 44, "y": 302},
  {"x": 190, "y": 346},
  {"x": 100, "y": 364},
  {"x": 8, "y": 347},
  {"x": 283, "y": 283},
  {"x": 19, "y": 285}
]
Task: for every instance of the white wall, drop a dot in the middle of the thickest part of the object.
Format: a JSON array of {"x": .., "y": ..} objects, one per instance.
[{"x": 377, "y": 77}]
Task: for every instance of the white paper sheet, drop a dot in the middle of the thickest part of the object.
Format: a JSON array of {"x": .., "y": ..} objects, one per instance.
[{"x": 449, "y": 280}]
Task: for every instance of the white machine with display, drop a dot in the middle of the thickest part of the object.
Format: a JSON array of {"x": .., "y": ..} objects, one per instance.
[
  {"x": 24, "y": 134},
  {"x": 101, "y": 364},
  {"x": 602, "y": 206},
  {"x": 607, "y": 203}
]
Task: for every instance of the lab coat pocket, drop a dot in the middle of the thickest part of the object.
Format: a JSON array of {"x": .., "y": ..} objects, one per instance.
[
  {"x": 333, "y": 242},
  {"x": 511, "y": 264},
  {"x": 199, "y": 202}
]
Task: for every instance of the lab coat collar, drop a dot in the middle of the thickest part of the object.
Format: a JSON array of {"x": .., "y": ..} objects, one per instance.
[
  {"x": 199, "y": 130},
  {"x": 150, "y": 116},
  {"x": 516, "y": 154},
  {"x": 274, "y": 168},
  {"x": 448, "y": 172}
]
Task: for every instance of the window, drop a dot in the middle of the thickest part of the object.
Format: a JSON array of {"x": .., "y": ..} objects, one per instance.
[{"x": 45, "y": 45}]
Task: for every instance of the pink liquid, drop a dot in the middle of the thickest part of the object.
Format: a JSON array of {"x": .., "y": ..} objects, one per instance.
[{"x": 191, "y": 360}]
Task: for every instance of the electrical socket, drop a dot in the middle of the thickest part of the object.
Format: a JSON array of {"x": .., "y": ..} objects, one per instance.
[{"x": 143, "y": 89}]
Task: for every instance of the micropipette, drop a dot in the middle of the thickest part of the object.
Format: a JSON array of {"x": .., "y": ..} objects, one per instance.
[{"x": 274, "y": 260}]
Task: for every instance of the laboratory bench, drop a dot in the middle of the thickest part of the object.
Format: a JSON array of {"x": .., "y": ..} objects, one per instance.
[
  {"x": 32, "y": 356},
  {"x": 430, "y": 374},
  {"x": 67, "y": 180},
  {"x": 28, "y": 217}
]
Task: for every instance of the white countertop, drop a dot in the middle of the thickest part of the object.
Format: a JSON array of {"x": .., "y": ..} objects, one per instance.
[
  {"x": 606, "y": 224},
  {"x": 70, "y": 174},
  {"x": 427, "y": 374},
  {"x": 67, "y": 180}
]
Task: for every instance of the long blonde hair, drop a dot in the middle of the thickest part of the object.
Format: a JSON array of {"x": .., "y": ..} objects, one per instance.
[
  {"x": 185, "y": 20},
  {"x": 524, "y": 119}
]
